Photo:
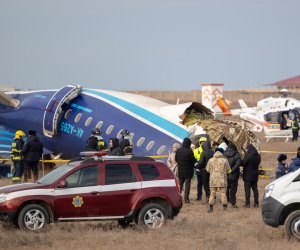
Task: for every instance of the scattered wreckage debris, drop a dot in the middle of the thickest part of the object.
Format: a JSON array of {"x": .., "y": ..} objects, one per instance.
[{"x": 216, "y": 129}]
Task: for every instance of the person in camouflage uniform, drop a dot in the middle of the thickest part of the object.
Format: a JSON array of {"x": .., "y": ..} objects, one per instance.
[{"x": 218, "y": 167}]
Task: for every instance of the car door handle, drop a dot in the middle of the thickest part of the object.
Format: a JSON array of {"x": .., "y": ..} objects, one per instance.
[
  {"x": 133, "y": 190},
  {"x": 94, "y": 193}
]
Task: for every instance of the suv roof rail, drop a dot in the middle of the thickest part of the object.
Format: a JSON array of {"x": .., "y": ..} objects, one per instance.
[{"x": 118, "y": 158}]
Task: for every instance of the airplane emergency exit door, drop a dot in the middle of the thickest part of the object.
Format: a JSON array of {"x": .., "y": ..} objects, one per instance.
[{"x": 54, "y": 108}]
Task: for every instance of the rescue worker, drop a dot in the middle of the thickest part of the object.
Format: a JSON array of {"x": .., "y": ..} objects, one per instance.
[
  {"x": 234, "y": 159},
  {"x": 185, "y": 159},
  {"x": 197, "y": 154},
  {"x": 96, "y": 142},
  {"x": 115, "y": 148},
  {"x": 217, "y": 167},
  {"x": 16, "y": 147},
  {"x": 126, "y": 143},
  {"x": 206, "y": 155},
  {"x": 295, "y": 128},
  {"x": 32, "y": 152},
  {"x": 250, "y": 165}
]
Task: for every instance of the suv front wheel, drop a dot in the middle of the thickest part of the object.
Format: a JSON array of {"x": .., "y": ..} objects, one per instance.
[
  {"x": 33, "y": 217},
  {"x": 292, "y": 225},
  {"x": 152, "y": 216}
]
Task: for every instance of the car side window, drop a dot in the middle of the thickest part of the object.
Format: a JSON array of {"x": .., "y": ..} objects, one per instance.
[
  {"x": 148, "y": 171},
  {"x": 118, "y": 174},
  {"x": 83, "y": 177}
]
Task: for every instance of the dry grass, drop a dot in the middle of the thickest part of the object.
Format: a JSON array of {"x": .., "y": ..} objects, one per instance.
[{"x": 193, "y": 228}]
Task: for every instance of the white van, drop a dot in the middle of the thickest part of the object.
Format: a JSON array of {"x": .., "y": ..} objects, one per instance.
[{"x": 281, "y": 204}]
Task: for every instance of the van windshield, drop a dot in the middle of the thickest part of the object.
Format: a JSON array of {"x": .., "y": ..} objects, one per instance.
[{"x": 54, "y": 175}]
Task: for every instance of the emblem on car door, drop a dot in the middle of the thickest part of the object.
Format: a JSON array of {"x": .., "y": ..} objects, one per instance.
[{"x": 77, "y": 201}]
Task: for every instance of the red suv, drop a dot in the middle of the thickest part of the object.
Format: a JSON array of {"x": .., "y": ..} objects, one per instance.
[{"x": 127, "y": 189}]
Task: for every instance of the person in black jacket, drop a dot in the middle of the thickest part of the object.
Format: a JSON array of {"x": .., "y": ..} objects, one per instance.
[
  {"x": 207, "y": 154},
  {"x": 115, "y": 148},
  {"x": 126, "y": 143},
  {"x": 234, "y": 159},
  {"x": 32, "y": 152},
  {"x": 251, "y": 163},
  {"x": 185, "y": 159}
]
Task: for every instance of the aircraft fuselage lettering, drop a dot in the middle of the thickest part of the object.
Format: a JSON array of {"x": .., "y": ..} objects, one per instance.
[{"x": 74, "y": 105}]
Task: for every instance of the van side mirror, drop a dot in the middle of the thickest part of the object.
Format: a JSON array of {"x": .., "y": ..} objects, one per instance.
[{"x": 62, "y": 184}]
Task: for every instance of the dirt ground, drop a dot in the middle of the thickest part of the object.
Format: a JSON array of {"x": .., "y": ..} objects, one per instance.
[{"x": 193, "y": 228}]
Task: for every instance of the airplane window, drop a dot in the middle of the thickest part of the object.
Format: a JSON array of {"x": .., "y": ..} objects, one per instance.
[
  {"x": 99, "y": 124},
  {"x": 78, "y": 117},
  {"x": 88, "y": 121},
  {"x": 109, "y": 129},
  {"x": 140, "y": 141},
  {"x": 150, "y": 145},
  {"x": 119, "y": 134},
  {"x": 68, "y": 113},
  {"x": 161, "y": 149}
]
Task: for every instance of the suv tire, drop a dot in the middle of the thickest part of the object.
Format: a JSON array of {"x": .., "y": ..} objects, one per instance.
[
  {"x": 33, "y": 217},
  {"x": 292, "y": 225},
  {"x": 152, "y": 216}
]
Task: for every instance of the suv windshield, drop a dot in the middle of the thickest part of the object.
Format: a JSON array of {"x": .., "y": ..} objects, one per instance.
[{"x": 56, "y": 174}]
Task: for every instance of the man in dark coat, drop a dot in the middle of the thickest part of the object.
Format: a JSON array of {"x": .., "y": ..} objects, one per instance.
[
  {"x": 295, "y": 164},
  {"x": 251, "y": 163},
  {"x": 185, "y": 159},
  {"x": 32, "y": 152},
  {"x": 234, "y": 159},
  {"x": 115, "y": 148},
  {"x": 207, "y": 154}
]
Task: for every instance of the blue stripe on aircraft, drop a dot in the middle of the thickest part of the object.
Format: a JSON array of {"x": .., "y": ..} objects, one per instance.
[
  {"x": 5, "y": 146},
  {"x": 145, "y": 114},
  {"x": 3, "y": 132},
  {"x": 5, "y": 138}
]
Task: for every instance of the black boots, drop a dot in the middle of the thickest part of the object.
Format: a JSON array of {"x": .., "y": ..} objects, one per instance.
[
  {"x": 210, "y": 209},
  {"x": 187, "y": 201}
]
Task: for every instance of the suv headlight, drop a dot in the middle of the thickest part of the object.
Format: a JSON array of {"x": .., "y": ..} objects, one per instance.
[
  {"x": 269, "y": 190},
  {"x": 2, "y": 198}
]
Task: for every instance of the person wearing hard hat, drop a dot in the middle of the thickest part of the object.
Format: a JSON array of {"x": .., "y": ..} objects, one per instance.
[
  {"x": 197, "y": 154},
  {"x": 126, "y": 143},
  {"x": 96, "y": 142},
  {"x": 16, "y": 148}
]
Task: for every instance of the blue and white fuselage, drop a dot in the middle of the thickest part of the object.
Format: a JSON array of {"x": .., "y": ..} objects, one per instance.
[{"x": 154, "y": 124}]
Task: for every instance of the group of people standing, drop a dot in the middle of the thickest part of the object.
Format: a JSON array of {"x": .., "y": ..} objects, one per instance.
[
  {"x": 283, "y": 168},
  {"x": 26, "y": 155},
  {"x": 115, "y": 148},
  {"x": 216, "y": 170}
]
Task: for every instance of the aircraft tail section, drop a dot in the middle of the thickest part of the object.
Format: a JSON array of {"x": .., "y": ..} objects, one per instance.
[{"x": 7, "y": 100}]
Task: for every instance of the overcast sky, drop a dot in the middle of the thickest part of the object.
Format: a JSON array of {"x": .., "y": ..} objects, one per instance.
[{"x": 148, "y": 44}]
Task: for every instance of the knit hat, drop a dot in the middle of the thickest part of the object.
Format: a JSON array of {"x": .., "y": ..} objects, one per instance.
[
  {"x": 223, "y": 146},
  {"x": 176, "y": 145},
  {"x": 281, "y": 157},
  {"x": 31, "y": 132}
]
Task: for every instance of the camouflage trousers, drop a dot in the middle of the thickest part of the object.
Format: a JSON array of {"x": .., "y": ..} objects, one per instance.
[{"x": 213, "y": 194}]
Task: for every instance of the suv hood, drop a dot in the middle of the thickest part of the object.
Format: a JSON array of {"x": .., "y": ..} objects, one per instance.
[{"x": 21, "y": 187}]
